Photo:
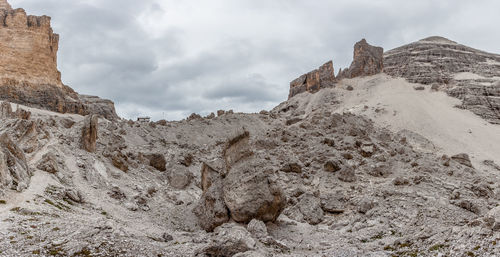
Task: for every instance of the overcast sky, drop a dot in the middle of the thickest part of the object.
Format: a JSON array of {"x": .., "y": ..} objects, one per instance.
[{"x": 169, "y": 58}]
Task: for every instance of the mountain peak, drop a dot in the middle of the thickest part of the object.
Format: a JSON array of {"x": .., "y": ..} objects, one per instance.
[{"x": 437, "y": 39}]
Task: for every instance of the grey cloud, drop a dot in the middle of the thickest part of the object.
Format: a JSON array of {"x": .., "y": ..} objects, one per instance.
[{"x": 169, "y": 58}]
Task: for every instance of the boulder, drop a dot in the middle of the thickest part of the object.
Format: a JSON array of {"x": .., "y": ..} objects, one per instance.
[
  {"x": 179, "y": 177},
  {"x": 211, "y": 210},
  {"x": 229, "y": 240},
  {"x": 89, "y": 133},
  {"x": 250, "y": 194},
  {"x": 368, "y": 60},
  {"x": 334, "y": 202},
  {"x": 257, "y": 228},
  {"x": 48, "y": 163},
  {"x": 310, "y": 209},
  {"x": 157, "y": 161}
]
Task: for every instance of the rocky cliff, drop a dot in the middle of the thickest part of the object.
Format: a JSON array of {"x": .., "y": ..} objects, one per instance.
[
  {"x": 367, "y": 60},
  {"x": 28, "y": 66},
  {"x": 466, "y": 73}
]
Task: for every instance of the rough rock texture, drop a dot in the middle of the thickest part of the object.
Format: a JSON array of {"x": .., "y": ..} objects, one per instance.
[
  {"x": 313, "y": 81},
  {"x": 367, "y": 60},
  {"x": 14, "y": 171},
  {"x": 249, "y": 191},
  {"x": 89, "y": 133},
  {"x": 211, "y": 209},
  {"x": 465, "y": 73},
  {"x": 28, "y": 67}
]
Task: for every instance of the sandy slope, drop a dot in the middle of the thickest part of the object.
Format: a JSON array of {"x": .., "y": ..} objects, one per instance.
[{"x": 395, "y": 103}]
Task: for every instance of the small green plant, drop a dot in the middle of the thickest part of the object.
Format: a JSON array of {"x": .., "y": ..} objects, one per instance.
[
  {"x": 104, "y": 213},
  {"x": 3, "y": 202}
]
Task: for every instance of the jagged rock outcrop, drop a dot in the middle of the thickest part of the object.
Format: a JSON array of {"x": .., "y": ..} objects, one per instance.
[
  {"x": 28, "y": 67},
  {"x": 465, "y": 73},
  {"x": 89, "y": 133},
  {"x": 367, "y": 60},
  {"x": 14, "y": 171},
  {"x": 211, "y": 209},
  {"x": 313, "y": 81}
]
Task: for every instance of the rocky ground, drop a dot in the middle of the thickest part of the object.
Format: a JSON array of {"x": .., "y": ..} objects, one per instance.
[{"x": 308, "y": 178}]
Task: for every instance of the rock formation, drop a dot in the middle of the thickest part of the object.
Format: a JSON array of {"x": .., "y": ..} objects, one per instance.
[
  {"x": 14, "y": 171},
  {"x": 28, "y": 67},
  {"x": 89, "y": 133},
  {"x": 466, "y": 73},
  {"x": 311, "y": 82},
  {"x": 367, "y": 60}
]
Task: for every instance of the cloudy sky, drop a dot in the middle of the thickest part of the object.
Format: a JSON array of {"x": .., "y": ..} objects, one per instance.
[{"x": 169, "y": 58}]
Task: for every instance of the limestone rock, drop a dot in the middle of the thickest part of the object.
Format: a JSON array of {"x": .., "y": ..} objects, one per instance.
[
  {"x": 368, "y": 60},
  {"x": 230, "y": 239},
  {"x": 179, "y": 177},
  {"x": 463, "y": 159},
  {"x": 257, "y": 228},
  {"x": 313, "y": 81},
  {"x": 250, "y": 194},
  {"x": 308, "y": 209},
  {"x": 14, "y": 171},
  {"x": 89, "y": 133},
  {"x": 157, "y": 161},
  {"x": 211, "y": 209},
  {"x": 48, "y": 163},
  {"x": 468, "y": 74},
  {"x": 28, "y": 67}
]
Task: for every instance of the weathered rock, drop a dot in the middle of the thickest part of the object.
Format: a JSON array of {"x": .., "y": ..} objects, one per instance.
[
  {"x": 89, "y": 133},
  {"x": 179, "y": 177},
  {"x": 334, "y": 202},
  {"x": 230, "y": 239},
  {"x": 257, "y": 228},
  {"x": 14, "y": 171},
  {"x": 292, "y": 167},
  {"x": 468, "y": 74},
  {"x": 211, "y": 209},
  {"x": 7, "y": 113},
  {"x": 310, "y": 208},
  {"x": 365, "y": 205},
  {"x": 314, "y": 80},
  {"x": 463, "y": 159},
  {"x": 368, "y": 60},
  {"x": 250, "y": 194},
  {"x": 48, "y": 163},
  {"x": 237, "y": 149},
  {"x": 347, "y": 174},
  {"x": 157, "y": 161},
  {"x": 28, "y": 67},
  {"x": 120, "y": 161},
  {"x": 333, "y": 166}
]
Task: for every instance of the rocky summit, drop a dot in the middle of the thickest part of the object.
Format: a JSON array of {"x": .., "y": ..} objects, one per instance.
[
  {"x": 28, "y": 67},
  {"x": 376, "y": 161},
  {"x": 471, "y": 75}
]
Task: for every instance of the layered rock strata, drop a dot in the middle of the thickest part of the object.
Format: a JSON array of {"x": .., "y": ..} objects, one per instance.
[
  {"x": 28, "y": 67},
  {"x": 465, "y": 73}
]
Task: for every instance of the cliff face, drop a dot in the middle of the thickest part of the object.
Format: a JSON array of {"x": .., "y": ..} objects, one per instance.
[
  {"x": 466, "y": 73},
  {"x": 28, "y": 66},
  {"x": 28, "y": 48}
]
